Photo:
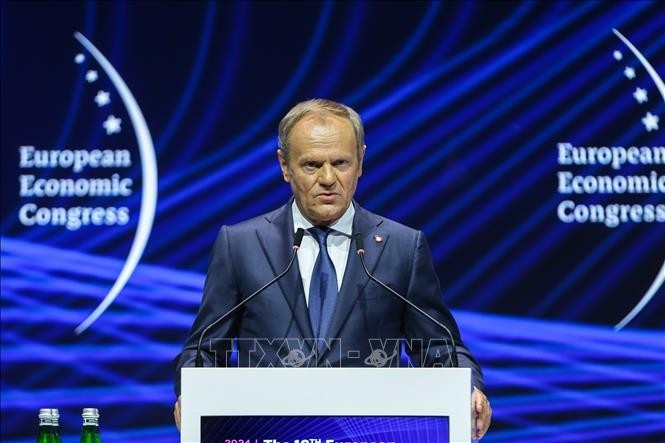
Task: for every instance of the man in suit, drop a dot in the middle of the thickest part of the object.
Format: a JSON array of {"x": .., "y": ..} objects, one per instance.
[{"x": 325, "y": 311}]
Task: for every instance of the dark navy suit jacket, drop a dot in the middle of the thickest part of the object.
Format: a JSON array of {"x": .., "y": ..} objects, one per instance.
[{"x": 368, "y": 324}]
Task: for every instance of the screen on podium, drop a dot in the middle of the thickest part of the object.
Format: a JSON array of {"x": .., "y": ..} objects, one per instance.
[{"x": 324, "y": 429}]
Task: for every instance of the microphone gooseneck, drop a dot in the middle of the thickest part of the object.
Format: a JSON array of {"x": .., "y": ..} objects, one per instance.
[
  {"x": 297, "y": 240},
  {"x": 361, "y": 253}
]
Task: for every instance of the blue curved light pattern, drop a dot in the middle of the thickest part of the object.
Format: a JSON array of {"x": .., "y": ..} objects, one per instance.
[
  {"x": 402, "y": 56},
  {"x": 558, "y": 368},
  {"x": 192, "y": 83},
  {"x": 218, "y": 105},
  {"x": 504, "y": 61},
  {"x": 334, "y": 73}
]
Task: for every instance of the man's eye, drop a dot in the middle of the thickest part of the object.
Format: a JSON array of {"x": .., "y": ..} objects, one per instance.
[{"x": 310, "y": 165}]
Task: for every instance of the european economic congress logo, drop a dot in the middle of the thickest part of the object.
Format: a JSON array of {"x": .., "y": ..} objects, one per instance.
[
  {"x": 640, "y": 78},
  {"x": 62, "y": 174}
]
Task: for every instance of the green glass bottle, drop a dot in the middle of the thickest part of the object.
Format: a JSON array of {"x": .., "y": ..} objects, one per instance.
[
  {"x": 90, "y": 431},
  {"x": 49, "y": 426}
]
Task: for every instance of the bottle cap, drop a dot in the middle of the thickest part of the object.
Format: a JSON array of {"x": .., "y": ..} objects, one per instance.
[
  {"x": 90, "y": 413},
  {"x": 49, "y": 414}
]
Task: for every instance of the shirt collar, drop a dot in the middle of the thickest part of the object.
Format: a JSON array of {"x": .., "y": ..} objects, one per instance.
[{"x": 344, "y": 224}]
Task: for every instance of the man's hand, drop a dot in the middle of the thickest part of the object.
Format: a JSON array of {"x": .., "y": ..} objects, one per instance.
[
  {"x": 176, "y": 413},
  {"x": 482, "y": 413}
]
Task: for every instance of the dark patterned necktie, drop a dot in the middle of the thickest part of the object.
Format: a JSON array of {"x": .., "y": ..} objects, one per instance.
[{"x": 323, "y": 286}]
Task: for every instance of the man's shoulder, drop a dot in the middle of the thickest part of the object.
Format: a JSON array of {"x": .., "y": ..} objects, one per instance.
[
  {"x": 386, "y": 224},
  {"x": 252, "y": 224}
]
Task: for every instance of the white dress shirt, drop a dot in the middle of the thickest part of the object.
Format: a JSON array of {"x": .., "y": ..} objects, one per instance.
[{"x": 339, "y": 243}]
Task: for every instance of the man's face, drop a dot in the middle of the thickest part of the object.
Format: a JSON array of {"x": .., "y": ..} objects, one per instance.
[{"x": 323, "y": 167}]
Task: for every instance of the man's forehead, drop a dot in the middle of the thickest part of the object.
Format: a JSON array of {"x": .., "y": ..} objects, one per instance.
[
  {"x": 322, "y": 119},
  {"x": 333, "y": 129}
]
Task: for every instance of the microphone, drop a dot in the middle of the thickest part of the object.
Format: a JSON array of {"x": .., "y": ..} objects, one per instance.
[
  {"x": 361, "y": 253},
  {"x": 297, "y": 240}
]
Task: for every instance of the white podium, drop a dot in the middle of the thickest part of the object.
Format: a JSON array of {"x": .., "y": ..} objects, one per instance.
[{"x": 426, "y": 392}]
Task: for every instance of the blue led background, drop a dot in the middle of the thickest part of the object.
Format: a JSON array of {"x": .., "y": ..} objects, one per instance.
[{"x": 464, "y": 104}]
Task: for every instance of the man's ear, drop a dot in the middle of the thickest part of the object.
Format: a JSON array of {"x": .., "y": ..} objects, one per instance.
[
  {"x": 283, "y": 164},
  {"x": 362, "y": 156}
]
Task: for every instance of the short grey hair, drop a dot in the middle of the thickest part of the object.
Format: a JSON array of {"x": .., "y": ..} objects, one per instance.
[{"x": 320, "y": 106}]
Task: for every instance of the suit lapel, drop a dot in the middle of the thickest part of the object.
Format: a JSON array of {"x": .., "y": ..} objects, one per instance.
[
  {"x": 277, "y": 243},
  {"x": 355, "y": 278}
]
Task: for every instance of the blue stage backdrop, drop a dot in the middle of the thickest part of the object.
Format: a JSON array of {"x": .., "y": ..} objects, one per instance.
[{"x": 526, "y": 139}]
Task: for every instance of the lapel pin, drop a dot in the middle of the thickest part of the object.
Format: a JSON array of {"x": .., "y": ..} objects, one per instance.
[{"x": 378, "y": 239}]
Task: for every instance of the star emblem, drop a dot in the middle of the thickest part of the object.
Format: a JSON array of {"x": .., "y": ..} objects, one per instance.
[
  {"x": 102, "y": 98},
  {"x": 629, "y": 73},
  {"x": 640, "y": 95},
  {"x": 80, "y": 58},
  {"x": 650, "y": 122},
  {"x": 112, "y": 124},
  {"x": 617, "y": 55},
  {"x": 91, "y": 76}
]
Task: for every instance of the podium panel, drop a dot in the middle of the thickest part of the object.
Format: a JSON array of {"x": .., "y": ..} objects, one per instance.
[{"x": 377, "y": 395}]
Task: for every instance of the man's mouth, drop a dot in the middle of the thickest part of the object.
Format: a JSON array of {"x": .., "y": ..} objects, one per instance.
[{"x": 328, "y": 197}]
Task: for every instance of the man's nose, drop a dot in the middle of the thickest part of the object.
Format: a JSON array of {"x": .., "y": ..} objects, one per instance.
[{"x": 327, "y": 175}]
